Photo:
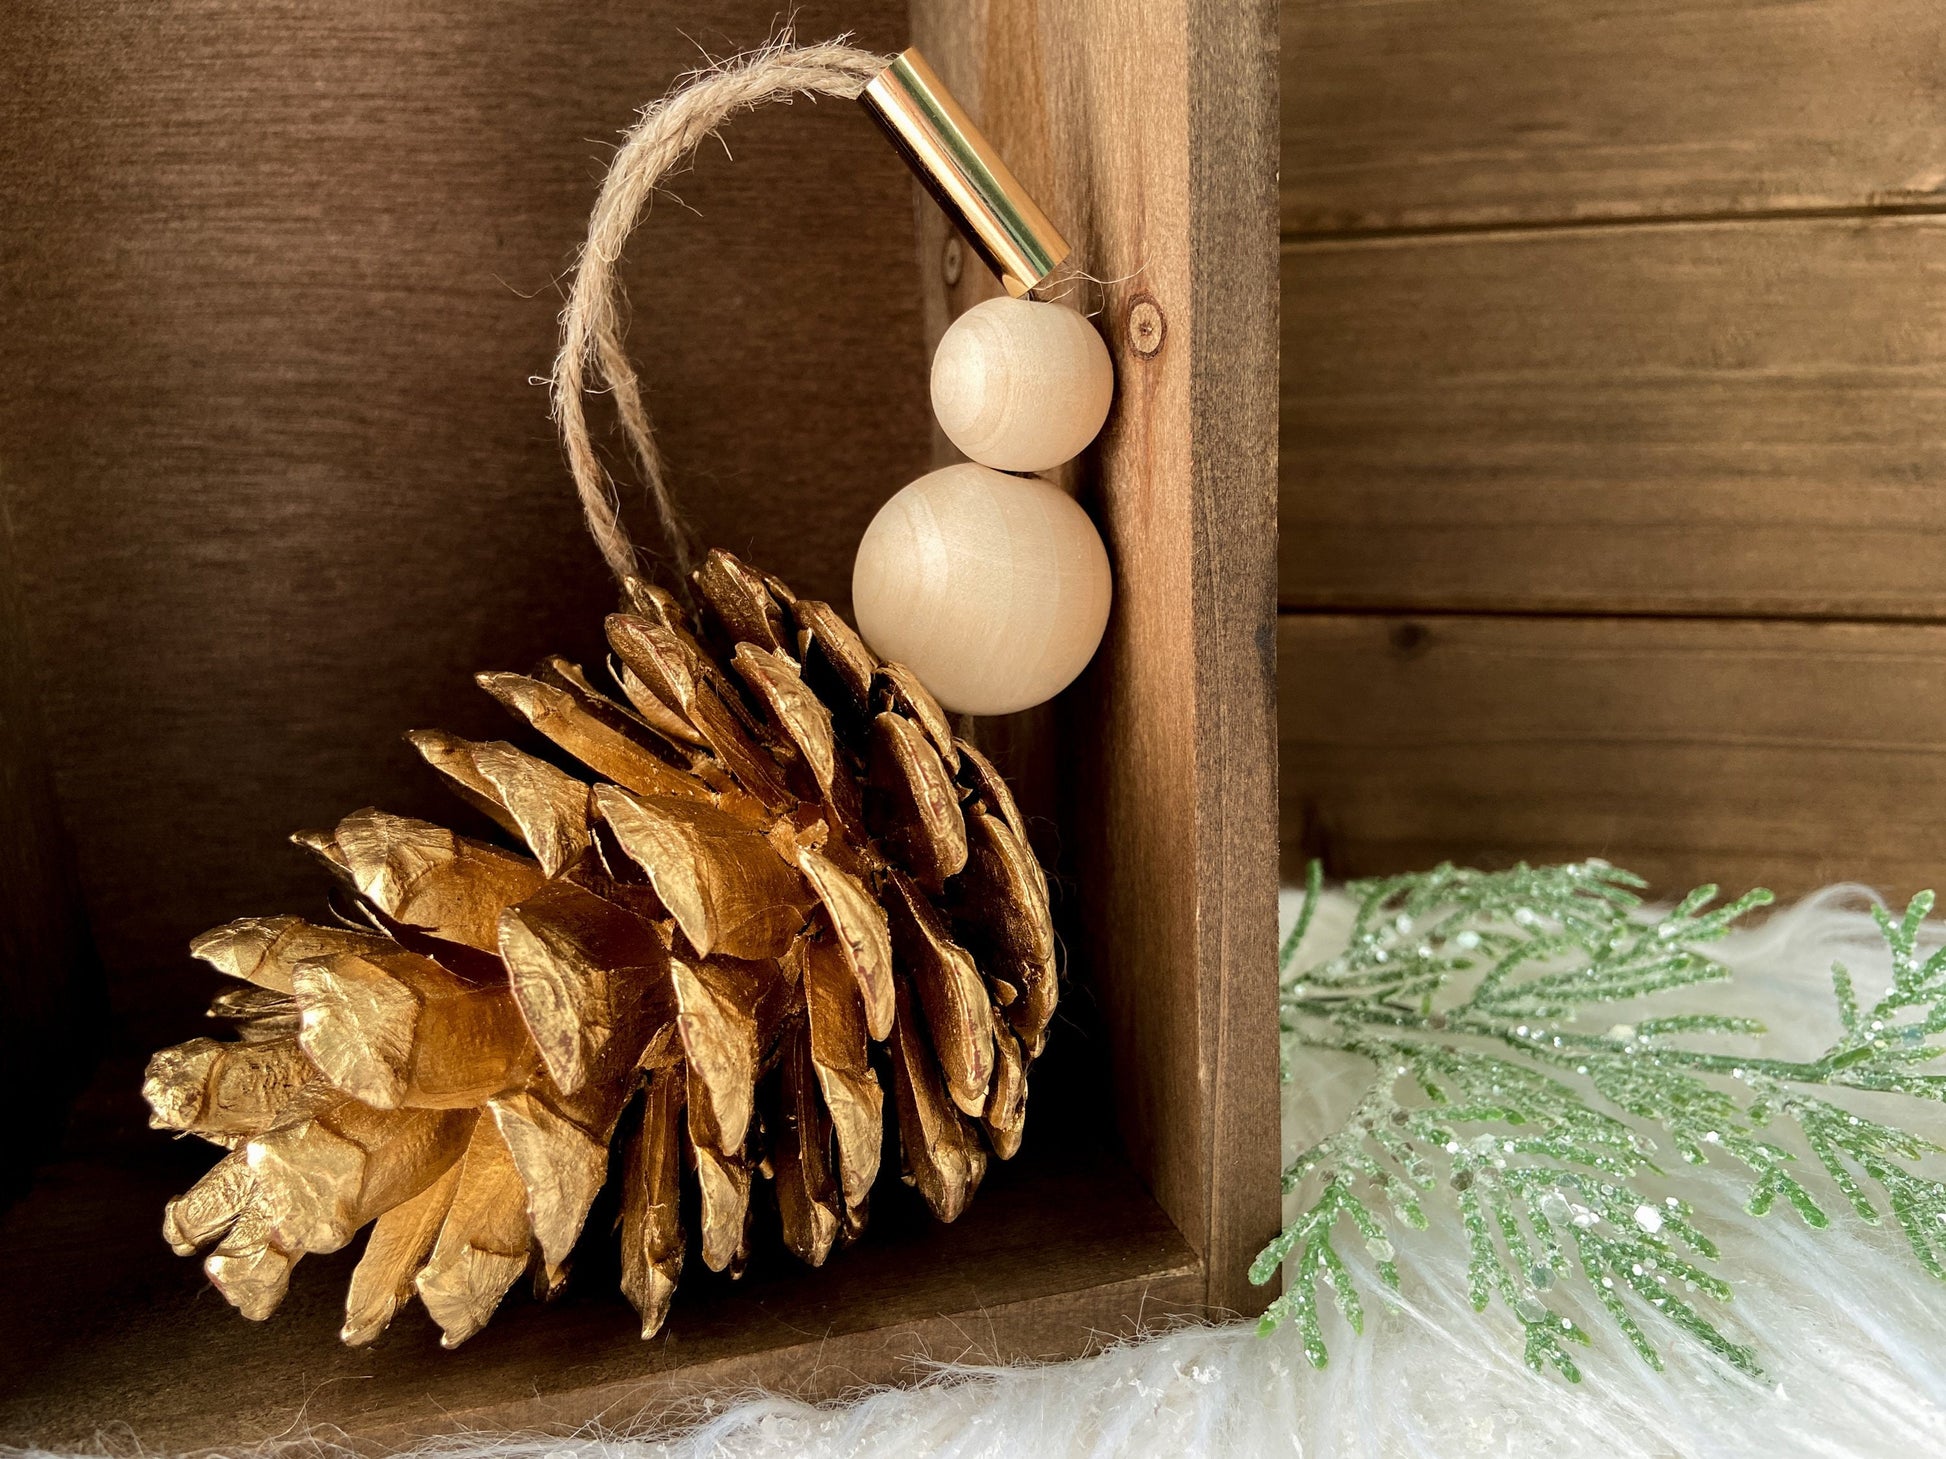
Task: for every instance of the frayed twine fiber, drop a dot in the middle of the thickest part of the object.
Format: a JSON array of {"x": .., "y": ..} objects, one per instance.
[{"x": 592, "y": 356}]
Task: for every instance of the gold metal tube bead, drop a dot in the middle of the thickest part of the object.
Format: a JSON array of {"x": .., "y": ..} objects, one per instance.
[{"x": 960, "y": 168}]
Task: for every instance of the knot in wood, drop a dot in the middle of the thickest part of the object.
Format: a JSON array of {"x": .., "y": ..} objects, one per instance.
[{"x": 1146, "y": 327}]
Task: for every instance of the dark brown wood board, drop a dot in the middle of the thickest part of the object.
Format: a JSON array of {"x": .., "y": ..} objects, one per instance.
[
  {"x": 1785, "y": 755},
  {"x": 1724, "y": 418},
  {"x": 49, "y": 986},
  {"x": 275, "y": 280},
  {"x": 107, "y": 1333},
  {"x": 1445, "y": 113},
  {"x": 1148, "y": 130}
]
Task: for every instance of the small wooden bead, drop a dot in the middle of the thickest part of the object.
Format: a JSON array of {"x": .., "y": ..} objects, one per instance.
[
  {"x": 993, "y": 589},
  {"x": 1021, "y": 385}
]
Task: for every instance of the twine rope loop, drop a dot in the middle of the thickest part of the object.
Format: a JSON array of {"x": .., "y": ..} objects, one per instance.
[{"x": 592, "y": 356}]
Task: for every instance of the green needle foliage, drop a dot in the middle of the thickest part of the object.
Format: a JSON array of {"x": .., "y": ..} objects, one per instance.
[{"x": 1485, "y": 1002}]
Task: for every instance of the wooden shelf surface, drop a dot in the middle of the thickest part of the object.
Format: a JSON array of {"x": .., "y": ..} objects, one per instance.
[{"x": 110, "y": 1340}]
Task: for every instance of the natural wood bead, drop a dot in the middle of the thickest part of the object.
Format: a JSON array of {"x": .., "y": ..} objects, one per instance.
[
  {"x": 994, "y": 589},
  {"x": 1021, "y": 385}
]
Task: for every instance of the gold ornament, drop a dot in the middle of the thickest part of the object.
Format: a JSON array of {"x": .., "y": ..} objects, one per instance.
[{"x": 784, "y": 880}]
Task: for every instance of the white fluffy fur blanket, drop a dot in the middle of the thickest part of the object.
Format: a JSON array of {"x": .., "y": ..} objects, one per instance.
[{"x": 1852, "y": 1332}]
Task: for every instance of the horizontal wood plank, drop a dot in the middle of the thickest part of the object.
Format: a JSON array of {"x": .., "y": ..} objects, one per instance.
[
  {"x": 1785, "y": 755},
  {"x": 1737, "y": 418},
  {"x": 1462, "y": 112}
]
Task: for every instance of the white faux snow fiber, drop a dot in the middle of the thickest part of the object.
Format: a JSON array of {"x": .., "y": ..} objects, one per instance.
[{"x": 1848, "y": 1327}]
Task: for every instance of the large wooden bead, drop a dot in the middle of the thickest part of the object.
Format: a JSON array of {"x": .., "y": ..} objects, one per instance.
[
  {"x": 994, "y": 589},
  {"x": 1021, "y": 385}
]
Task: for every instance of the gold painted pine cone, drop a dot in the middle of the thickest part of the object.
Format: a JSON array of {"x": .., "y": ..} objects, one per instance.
[{"x": 787, "y": 880}]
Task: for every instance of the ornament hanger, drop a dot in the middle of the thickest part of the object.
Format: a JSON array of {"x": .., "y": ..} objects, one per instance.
[
  {"x": 989, "y": 582},
  {"x": 930, "y": 129}
]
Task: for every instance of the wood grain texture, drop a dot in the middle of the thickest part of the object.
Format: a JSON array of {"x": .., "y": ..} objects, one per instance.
[
  {"x": 102, "y": 1325},
  {"x": 1234, "y": 345},
  {"x": 1734, "y": 418},
  {"x": 1147, "y": 131},
  {"x": 1436, "y": 113},
  {"x": 1786, "y": 755},
  {"x": 49, "y": 983},
  {"x": 274, "y": 280}
]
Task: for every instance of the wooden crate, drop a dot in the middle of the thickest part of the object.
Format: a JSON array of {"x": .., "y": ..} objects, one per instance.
[{"x": 275, "y": 484}]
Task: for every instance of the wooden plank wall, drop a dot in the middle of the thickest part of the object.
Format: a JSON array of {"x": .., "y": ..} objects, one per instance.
[
  {"x": 274, "y": 283},
  {"x": 50, "y": 989},
  {"x": 1613, "y": 473}
]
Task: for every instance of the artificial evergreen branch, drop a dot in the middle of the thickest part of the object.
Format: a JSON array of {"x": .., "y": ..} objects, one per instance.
[{"x": 1477, "y": 997}]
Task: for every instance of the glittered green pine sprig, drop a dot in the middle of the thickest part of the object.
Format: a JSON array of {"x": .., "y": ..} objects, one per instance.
[{"x": 1476, "y": 997}]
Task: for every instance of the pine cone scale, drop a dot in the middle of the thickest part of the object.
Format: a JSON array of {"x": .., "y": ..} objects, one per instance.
[
  {"x": 323, "y": 1177},
  {"x": 247, "y": 1266},
  {"x": 958, "y": 1014},
  {"x": 723, "y": 1183},
  {"x": 396, "y": 1029},
  {"x": 841, "y": 1061},
  {"x": 545, "y": 807},
  {"x": 224, "y": 1092},
  {"x": 742, "y": 603},
  {"x": 718, "y": 1029},
  {"x": 561, "y": 1161},
  {"x": 862, "y": 934},
  {"x": 590, "y": 978},
  {"x": 572, "y": 725},
  {"x": 719, "y": 877},
  {"x": 483, "y": 1243},
  {"x": 210, "y": 1207},
  {"x": 401, "y": 1241},
  {"x": 808, "y": 1203},
  {"x": 1005, "y": 1115},
  {"x": 918, "y": 813},
  {"x": 651, "y": 1227},
  {"x": 943, "y": 1156},
  {"x": 266, "y": 950}
]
